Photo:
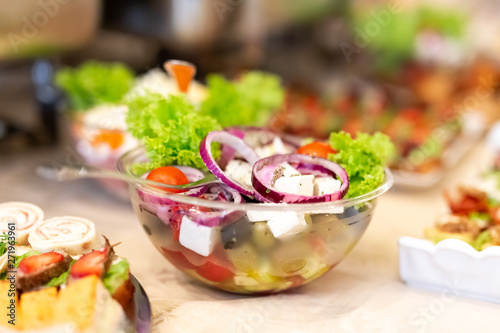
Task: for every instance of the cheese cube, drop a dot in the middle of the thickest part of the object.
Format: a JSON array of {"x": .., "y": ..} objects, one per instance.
[
  {"x": 240, "y": 171},
  {"x": 301, "y": 185},
  {"x": 288, "y": 171},
  {"x": 198, "y": 238},
  {"x": 326, "y": 185},
  {"x": 287, "y": 224}
]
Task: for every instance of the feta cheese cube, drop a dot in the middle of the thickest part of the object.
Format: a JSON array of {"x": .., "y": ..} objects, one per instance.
[
  {"x": 274, "y": 148},
  {"x": 288, "y": 171},
  {"x": 301, "y": 185},
  {"x": 240, "y": 171},
  {"x": 287, "y": 224},
  {"x": 198, "y": 238},
  {"x": 264, "y": 151},
  {"x": 326, "y": 185}
]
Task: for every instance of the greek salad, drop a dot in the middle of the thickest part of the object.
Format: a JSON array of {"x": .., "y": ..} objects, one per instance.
[{"x": 249, "y": 250}]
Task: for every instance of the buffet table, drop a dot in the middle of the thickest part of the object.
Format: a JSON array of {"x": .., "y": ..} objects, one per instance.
[{"x": 362, "y": 294}]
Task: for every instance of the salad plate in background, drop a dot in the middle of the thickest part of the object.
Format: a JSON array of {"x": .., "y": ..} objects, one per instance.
[
  {"x": 461, "y": 251},
  {"x": 97, "y": 95}
]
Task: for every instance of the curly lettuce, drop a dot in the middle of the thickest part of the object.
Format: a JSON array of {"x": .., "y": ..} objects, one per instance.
[
  {"x": 363, "y": 158},
  {"x": 170, "y": 130},
  {"x": 249, "y": 101},
  {"x": 95, "y": 83}
]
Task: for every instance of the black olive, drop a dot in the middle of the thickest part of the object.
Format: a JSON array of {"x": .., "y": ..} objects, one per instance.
[{"x": 236, "y": 233}]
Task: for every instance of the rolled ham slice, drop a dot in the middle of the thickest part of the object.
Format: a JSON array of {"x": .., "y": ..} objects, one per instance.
[
  {"x": 25, "y": 216},
  {"x": 74, "y": 235}
]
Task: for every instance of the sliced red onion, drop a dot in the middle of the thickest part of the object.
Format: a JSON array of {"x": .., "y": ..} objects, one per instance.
[
  {"x": 280, "y": 197},
  {"x": 228, "y": 193},
  {"x": 237, "y": 144},
  {"x": 227, "y": 152},
  {"x": 267, "y": 173},
  {"x": 314, "y": 169},
  {"x": 192, "y": 174}
]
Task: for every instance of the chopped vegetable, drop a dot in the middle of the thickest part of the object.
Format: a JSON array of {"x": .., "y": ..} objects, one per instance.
[
  {"x": 168, "y": 175},
  {"x": 170, "y": 130},
  {"x": 363, "y": 158},
  {"x": 3, "y": 243},
  {"x": 18, "y": 259},
  {"x": 93, "y": 263},
  {"x": 249, "y": 101},
  {"x": 319, "y": 149},
  {"x": 95, "y": 83},
  {"x": 481, "y": 240},
  {"x": 116, "y": 275},
  {"x": 34, "y": 263},
  {"x": 61, "y": 279}
]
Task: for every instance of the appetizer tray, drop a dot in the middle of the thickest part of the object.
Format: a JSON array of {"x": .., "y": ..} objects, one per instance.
[
  {"x": 474, "y": 128},
  {"x": 141, "y": 315},
  {"x": 451, "y": 267}
]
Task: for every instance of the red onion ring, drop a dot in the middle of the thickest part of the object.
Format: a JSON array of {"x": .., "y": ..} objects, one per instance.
[
  {"x": 227, "y": 152},
  {"x": 236, "y": 143},
  {"x": 280, "y": 197}
]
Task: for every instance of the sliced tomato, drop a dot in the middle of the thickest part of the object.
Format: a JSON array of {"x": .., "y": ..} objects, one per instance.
[
  {"x": 214, "y": 272},
  {"x": 319, "y": 149},
  {"x": 168, "y": 175},
  {"x": 92, "y": 263},
  {"x": 35, "y": 263}
]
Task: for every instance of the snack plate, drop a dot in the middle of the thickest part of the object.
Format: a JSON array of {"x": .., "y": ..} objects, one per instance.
[
  {"x": 473, "y": 130},
  {"x": 141, "y": 311},
  {"x": 451, "y": 267}
]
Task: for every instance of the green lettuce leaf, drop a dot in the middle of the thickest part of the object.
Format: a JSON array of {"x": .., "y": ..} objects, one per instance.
[
  {"x": 363, "y": 158},
  {"x": 249, "y": 101},
  {"x": 116, "y": 275},
  {"x": 170, "y": 130},
  {"x": 483, "y": 238},
  {"x": 95, "y": 83},
  {"x": 61, "y": 279},
  {"x": 3, "y": 243}
]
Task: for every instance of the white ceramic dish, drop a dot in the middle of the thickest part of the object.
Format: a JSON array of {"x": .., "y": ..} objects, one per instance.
[{"x": 451, "y": 267}]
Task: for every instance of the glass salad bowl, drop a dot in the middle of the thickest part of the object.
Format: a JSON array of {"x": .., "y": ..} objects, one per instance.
[
  {"x": 249, "y": 248},
  {"x": 99, "y": 137}
]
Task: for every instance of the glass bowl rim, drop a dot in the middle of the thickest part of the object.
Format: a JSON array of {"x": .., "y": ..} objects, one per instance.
[{"x": 324, "y": 207}]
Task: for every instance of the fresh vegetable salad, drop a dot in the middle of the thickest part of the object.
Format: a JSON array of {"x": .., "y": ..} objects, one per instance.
[{"x": 282, "y": 212}]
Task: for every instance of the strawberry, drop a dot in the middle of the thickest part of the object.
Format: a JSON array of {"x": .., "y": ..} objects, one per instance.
[
  {"x": 39, "y": 262},
  {"x": 93, "y": 263}
]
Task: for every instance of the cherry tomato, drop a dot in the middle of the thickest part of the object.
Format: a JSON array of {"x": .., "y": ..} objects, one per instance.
[
  {"x": 168, "y": 175},
  {"x": 319, "y": 149}
]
